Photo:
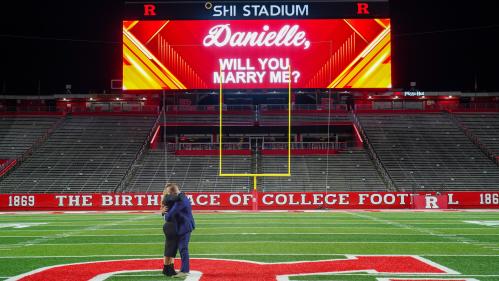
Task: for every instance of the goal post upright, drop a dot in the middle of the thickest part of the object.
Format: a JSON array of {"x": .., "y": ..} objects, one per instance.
[{"x": 220, "y": 142}]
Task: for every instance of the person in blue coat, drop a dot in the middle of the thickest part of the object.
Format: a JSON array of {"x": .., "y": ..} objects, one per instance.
[{"x": 181, "y": 213}]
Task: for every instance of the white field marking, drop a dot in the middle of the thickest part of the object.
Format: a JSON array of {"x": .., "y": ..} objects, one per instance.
[
  {"x": 486, "y": 223},
  {"x": 21, "y": 225},
  {"x": 276, "y": 224},
  {"x": 239, "y": 254},
  {"x": 446, "y": 270},
  {"x": 265, "y": 227},
  {"x": 253, "y": 234},
  {"x": 214, "y": 212},
  {"x": 426, "y": 279},
  {"x": 41, "y": 240},
  {"x": 138, "y": 275},
  {"x": 404, "y": 277},
  {"x": 193, "y": 275},
  {"x": 252, "y": 220},
  {"x": 243, "y": 242},
  {"x": 331, "y": 220},
  {"x": 13, "y": 213},
  {"x": 453, "y": 237},
  {"x": 394, "y": 277},
  {"x": 71, "y": 220}
]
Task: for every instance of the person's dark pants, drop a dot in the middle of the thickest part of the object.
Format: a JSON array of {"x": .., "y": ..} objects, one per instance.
[{"x": 183, "y": 246}]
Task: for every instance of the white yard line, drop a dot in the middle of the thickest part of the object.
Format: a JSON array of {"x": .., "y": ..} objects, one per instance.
[
  {"x": 250, "y": 242},
  {"x": 263, "y": 227},
  {"x": 456, "y": 238},
  {"x": 43, "y": 239},
  {"x": 238, "y": 254},
  {"x": 255, "y": 234}
]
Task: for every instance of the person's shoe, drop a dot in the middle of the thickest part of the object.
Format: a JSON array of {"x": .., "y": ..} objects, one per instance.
[
  {"x": 181, "y": 274},
  {"x": 171, "y": 270},
  {"x": 166, "y": 269}
]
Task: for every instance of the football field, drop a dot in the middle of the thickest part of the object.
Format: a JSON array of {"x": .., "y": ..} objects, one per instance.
[{"x": 346, "y": 245}]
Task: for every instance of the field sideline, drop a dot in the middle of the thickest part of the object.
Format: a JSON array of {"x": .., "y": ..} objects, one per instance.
[{"x": 32, "y": 241}]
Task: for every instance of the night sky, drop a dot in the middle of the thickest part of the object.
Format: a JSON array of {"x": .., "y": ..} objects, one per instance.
[{"x": 442, "y": 45}]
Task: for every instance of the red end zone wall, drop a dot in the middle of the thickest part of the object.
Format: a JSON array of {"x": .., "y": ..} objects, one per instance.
[{"x": 244, "y": 201}]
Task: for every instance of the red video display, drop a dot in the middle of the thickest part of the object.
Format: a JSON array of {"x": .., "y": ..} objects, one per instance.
[{"x": 241, "y": 54}]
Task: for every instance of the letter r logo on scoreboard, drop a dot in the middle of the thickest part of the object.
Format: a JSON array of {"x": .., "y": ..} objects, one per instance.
[
  {"x": 149, "y": 10},
  {"x": 362, "y": 9}
]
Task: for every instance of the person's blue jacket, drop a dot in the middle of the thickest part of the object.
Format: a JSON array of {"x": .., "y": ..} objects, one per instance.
[{"x": 182, "y": 212}]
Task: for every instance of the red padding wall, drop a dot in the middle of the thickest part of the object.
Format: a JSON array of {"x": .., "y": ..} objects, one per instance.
[{"x": 244, "y": 201}]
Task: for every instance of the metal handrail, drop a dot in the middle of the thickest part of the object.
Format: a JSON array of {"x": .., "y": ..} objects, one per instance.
[
  {"x": 305, "y": 145},
  {"x": 295, "y": 107},
  {"x": 195, "y": 108},
  {"x": 38, "y": 142},
  {"x": 208, "y": 146},
  {"x": 473, "y": 138},
  {"x": 374, "y": 156},
  {"x": 138, "y": 156}
]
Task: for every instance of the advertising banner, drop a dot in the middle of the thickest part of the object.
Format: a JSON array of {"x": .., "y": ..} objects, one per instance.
[{"x": 244, "y": 201}]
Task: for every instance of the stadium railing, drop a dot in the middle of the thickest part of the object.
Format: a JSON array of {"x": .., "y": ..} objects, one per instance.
[
  {"x": 473, "y": 138},
  {"x": 303, "y": 107},
  {"x": 305, "y": 145},
  {"x": 138, "y": 156},
  {"x": 374, "y": 156},
  {"x": 39, "y": 142},
  {"x": 108, "y": 107},
  {"x": 207, "y": 146},
  {"x": 208, "y": 108},
  {"x": 401, "y": 105}
]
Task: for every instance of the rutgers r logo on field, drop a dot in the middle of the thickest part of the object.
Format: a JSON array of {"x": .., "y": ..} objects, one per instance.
[{"x": 241, "y": 270}]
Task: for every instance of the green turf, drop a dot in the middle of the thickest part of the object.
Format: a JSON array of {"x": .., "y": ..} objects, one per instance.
[{"x": 441, "y": 237}]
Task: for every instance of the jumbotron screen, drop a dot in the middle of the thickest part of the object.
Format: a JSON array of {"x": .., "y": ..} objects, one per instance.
[{"x": 256, "y": 53}]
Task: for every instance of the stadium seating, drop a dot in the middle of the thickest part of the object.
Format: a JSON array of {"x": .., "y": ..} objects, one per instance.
[
  {"x": 485, "y": 126},
  {"x": 209, "y": 115},
  {"x": 19, "y": 133},
  {"x": 85, "y": 154},
  {"x": 192, "y": 173},
  {"x": 428, "y": 152},
  {"x": 350, "y": 170}
]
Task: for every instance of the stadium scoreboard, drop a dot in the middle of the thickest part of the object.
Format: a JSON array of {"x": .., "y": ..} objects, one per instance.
[{"x": 254, "y": 45}]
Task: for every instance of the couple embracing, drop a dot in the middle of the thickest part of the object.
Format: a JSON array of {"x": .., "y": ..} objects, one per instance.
[{"x": 179, "y": 223}]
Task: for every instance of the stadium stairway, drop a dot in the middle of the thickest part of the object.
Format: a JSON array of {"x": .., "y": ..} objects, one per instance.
[
  {"x": 428, "y": 152},
  {"x": 84, "y": 154},
  {"x": 482, "y": 129}
]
